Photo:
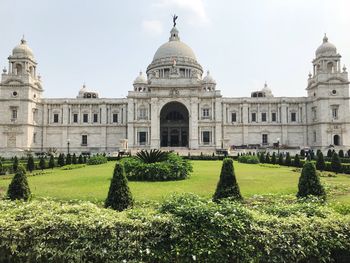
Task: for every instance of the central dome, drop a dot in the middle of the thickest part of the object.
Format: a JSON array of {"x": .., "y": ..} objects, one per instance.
[{"x": 174, "y": 48}]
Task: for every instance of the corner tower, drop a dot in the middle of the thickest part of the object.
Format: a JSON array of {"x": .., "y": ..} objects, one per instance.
[{"x": 20, "y": 93}]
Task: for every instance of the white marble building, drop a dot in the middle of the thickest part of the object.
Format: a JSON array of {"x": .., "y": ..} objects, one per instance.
[{"x": 173, "y": 106}]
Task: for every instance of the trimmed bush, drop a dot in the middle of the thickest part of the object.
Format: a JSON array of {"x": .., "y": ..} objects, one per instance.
[
  {"x": 329, "y": 153},
  {"x": 74, "y": 159},
  {"x": 253, "y": 159},
  {"x": 280, "y": 159},
  {"x": 227, "y": 186},
  {"x": 320, "y": 163},
  {"x": 80, "y": 159},
  {"x": 288, "y": 161},
  {"x": 273, "y": 158},
  {"x": 68, "y": 159},
  {"x": 262, "y": 157},
  {"x": 61, "y": 161},
  {"x": 119, "y": 195},
  {"x": 341, "y": 154},
  {"x": 30, "y": 164},
  {"x": 42, "y": 163},
  {"x": 97, "y": 159},
  {"x": 19, "y": 187},
  {"x": 267, "y": 158},
  {"x": 309, "y": 182},
  {"x": 335, "y": 163},
  {"x": 15, "y": 164},
  {"x": 297, "y": 162},
  {"x": 51, "y": 162},
  {"x": 1, "y": 168}
]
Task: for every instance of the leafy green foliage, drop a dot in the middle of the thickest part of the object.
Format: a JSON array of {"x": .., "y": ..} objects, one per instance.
[
  {"x": 80, "y": 159},
  {"x": 61, "y": 160},
  {"x": 30, "y": 164},
  {"x": 15, "y": 164},
  {"x": 248, "y": 159},
  {"x": 320, "y": 163},
  {"x": 280, "y": 159},
  {"x": 297, "y": 162},
  {"x": 273, "y": 158},
  {"x": 1, "y": 168},
  {"x": 69, "y": 159},
  {"x": 262, "y": 158},
  {"x": 267, "y": 158},
  {"x": 335, "y": 163},
  {"x": 152, "y": 156},
  {"x": 97, "y": 159},
  {"x": 51, "y": 162},
  {"x": 288, "y": 161},
  {"x": 19, "y": 187},
  {"x": 329, "y": 153},
  {"x": 341, "y": 154},
  {"x": 119, "y": 195},
  {"x": 74, "y": 159},
  {"x": 227, "y": 186},
  {"x": 42, "y": 163},
  {"x": 309, "y": 182}
]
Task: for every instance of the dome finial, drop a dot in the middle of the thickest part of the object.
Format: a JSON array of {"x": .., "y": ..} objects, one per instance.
[
  {"x": 23, "y": 41},
  {"x": 325, "y": 38},
  {"x": 174, "y": 19}
]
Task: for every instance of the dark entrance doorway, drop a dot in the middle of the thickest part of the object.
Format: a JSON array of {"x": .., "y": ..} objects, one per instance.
[
  {"x": 174, "y": 125},
  {"x": 336, "y": 140}
]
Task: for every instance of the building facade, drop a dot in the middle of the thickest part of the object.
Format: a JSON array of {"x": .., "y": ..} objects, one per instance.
[{"x": 173, "y": 106}]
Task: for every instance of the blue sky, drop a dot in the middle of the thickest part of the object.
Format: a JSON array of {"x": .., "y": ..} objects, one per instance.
[{"x": 106, "y": 43}]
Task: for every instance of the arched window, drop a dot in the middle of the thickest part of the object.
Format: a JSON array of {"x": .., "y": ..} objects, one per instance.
[
  {"x": 19, "y": 69},
  {"x": 336, "y": 140},
  {"x": 330, "y": 67}
]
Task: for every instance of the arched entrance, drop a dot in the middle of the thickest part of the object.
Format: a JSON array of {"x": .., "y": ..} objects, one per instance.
[
  {"x": 174, "y": 125},
  {"x": 336, "y": 140}
]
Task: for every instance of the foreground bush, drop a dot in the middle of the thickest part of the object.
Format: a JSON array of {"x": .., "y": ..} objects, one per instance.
[
  {"x": 19, "y": 187},
  {"x": 174, "y": 168},
  {"x": 227, "y": 186},
  {"x": 185, "y": 228},
  {"x": 97, "y": 159},
  {"x": 119, "y": 194},
  {"x": 309, "y": 182}
]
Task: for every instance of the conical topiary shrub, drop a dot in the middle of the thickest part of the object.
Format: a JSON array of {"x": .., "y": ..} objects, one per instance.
[
  {"x": 288, "y": 161},
  {"x": 227, "y": 185},
  {"x": 280, "y": 159},
  {"x": 297, "y": 162},
  {"x": 267, "y": 158},
  {"x": 15, "y": 164},
  {"x": 336, "y": 163},
  {"x": 309, "y": 182},
  {"x": 51, "y": 162},
  {"x": 68, "y": 159},
  {"x": 119, "y": 195},
  {"x": 19, "y": 188},
  {"x": 30, "y": 164},
  {"x": 74, "y": 159},
  {"x": 273, "y": 158},
  {"x": 42, "y": 163},
  {"x": 320, "y": 163}
]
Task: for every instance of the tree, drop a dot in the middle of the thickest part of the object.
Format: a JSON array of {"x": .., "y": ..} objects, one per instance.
[
  {"x": 341, "y": 154},
  {"x": 267, "y": 158},
  {"x": 335, "y": 163},
  {"x": 51, "y": 162},
  {"x": 329, "y": 153},
  {"x": 74, "y": 159},
  {"x": 30, "y": 164},
  {"x": 19, "y": 188},
  {"x": 262, "y": 158},
  {"x": 68, "y": 159},
  {"x": 288, "y": 160},
  {"x": 15, "y": 164},
  {"x": 309, "y": 182},
  {"x": 273, "y": 158},
  {"x": 227, "y": 186},
  {"x": 42, "y": 163},
  {"x": 61, "y": 161},
  {"x": 302, "y": 153},
  {"x": 80, "y": 159},
  {"x": 119, "y": 195},
  {"x": 320, "y": 163},
  {"x": 280, "y": 159},
  {"x": 297, "y": 162}
]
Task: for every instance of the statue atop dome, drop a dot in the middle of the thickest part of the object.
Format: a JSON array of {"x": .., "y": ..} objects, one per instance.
[{"x": 174, "y": 19}]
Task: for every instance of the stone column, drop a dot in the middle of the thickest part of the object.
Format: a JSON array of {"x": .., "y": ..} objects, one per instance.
[
  {"x": 155, "y": 123},
  {"x": 130, "y": 123},
  {"x": 193, "y": 124}
]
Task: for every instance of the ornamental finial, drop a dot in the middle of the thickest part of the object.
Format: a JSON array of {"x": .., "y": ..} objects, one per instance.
[{"x": 174, "y": 19}]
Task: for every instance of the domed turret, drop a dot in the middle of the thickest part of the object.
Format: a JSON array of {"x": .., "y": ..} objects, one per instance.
[
  {"x": 87, "y": 94},
  {"x": 140, "y": 79},
  {"x": 326, "y": 49},
  {"x": 208, "y": 79},
  {"x": 22, "y": 50}
]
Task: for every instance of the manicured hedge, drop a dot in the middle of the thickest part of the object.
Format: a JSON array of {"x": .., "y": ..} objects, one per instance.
[
  {"x": 97, "y": 159},
  {"x": 184, "y": 229},
  {"x": 248, "y": 159},
  {"x": 174, "y": 168}
]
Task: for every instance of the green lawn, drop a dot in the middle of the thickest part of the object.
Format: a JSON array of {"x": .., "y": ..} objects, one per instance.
[{"x": 92, "y": 182}]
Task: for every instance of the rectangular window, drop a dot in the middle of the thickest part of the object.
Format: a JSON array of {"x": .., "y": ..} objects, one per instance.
[
  {"x": 273, "y": 116},
  {"x": 264, "y": 139},
  {"x": 206, "y": 137},
  {"x": 143, "y": 114},
  {"x": 263, "y": 116},
  {"x": 14, "y": 114},
  {"x": 115, "y": 117},
  {"x": 205, "y": 113},
  {"x": 335, "y": 113},
  {"x": 142, "y": 138},
  {"x": 84, "y": 140},
  {"x": 233, "y": 117},
  {"x": 34, "y": 137},
  {"x": 253, "y": 117},
  {"x": 75, "y": 118},
  {"x": 95, "y": 117},
  {"x": 293, "y": 117},
  {"x": 55, "y": 118},
  {"x": 315, "y": 136},
  {"x": 85, "y": 117}
]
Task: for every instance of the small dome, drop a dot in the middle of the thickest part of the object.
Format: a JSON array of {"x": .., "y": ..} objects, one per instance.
[
  {"x": 326, "y": 49},
  {"x": 22, "y": 50},
  {"x": 140, "y": 79},
  {"x": 208, "y": 79},
  {"x": 174, "y": 48},
  {"x": 87, "y": 94}
]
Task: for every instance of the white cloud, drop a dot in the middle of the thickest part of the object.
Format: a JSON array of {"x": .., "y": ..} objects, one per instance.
[
  {"x": 194, "y": 10},
  {"x": 152, "y": 27}
]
